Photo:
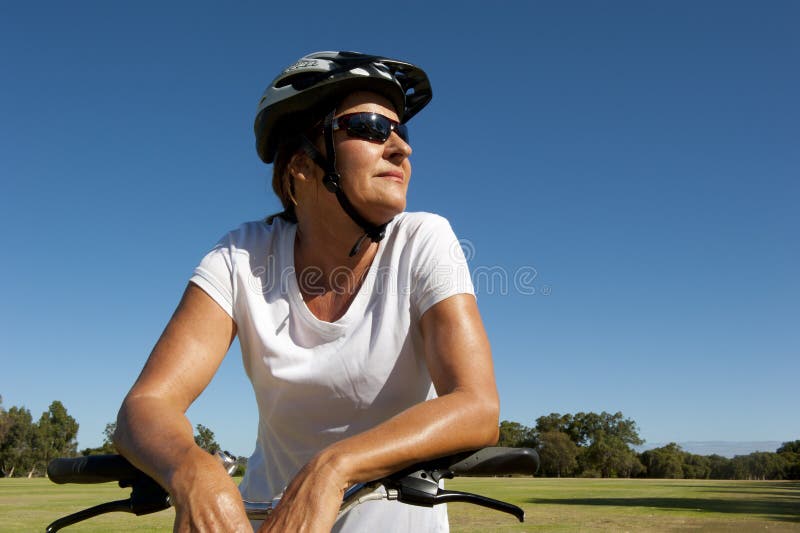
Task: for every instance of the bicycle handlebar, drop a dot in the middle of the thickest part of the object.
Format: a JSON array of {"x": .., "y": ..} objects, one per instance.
[
  {"x": 415, "y": 485},
  {"x": 92, "y": 469},
  {"x": 491, "y": 461}
]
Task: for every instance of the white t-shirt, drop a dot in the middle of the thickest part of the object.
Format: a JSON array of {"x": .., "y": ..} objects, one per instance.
[{"x": 318, "y": 382}]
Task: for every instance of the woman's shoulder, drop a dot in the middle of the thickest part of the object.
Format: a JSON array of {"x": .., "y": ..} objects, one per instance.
[
  {"x": 414, "y": 222},
  {"x": 255, "y": 234}
]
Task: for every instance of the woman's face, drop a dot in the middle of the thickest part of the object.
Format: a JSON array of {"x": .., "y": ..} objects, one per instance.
[{"x": 374, "y": 175}]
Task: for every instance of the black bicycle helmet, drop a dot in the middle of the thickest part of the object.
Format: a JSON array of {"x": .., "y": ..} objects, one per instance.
[{"x": 317, "y": 81}]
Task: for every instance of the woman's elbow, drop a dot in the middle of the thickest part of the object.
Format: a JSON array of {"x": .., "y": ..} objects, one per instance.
[
  {"x": 120, "y": 436},
  {"x": 492, "y": 424},
  {"x": 133, "y": 420},
  {"x": 486, "y": 420}
]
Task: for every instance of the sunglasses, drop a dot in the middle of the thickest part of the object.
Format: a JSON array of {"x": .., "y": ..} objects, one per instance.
[{"x": 370, "y": 126}]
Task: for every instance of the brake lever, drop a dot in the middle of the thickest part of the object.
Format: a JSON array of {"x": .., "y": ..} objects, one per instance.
[
  {"x": 147, "y": 497},
  {"x": 85, "y": 514},
  {"x": 452, "y": 496},
  {"x": 421, "y": 487}
]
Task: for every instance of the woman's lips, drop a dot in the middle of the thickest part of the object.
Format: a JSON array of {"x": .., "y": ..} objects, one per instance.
[{"x": 393, "y": 175}]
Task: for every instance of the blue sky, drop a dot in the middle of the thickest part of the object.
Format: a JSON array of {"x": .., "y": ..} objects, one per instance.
[{"x": 641, "y": 158}]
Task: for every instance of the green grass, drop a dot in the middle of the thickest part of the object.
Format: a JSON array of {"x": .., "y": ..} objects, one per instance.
[
  {"x": 549, "y": 504},
  {"x": 31, "y": 504},
  {"x": 631, "y": 505}
]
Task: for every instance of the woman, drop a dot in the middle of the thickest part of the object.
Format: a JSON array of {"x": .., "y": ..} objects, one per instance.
[{"x": 357, "y": 321}]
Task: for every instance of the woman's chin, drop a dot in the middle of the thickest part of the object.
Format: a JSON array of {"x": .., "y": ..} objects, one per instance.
[{"x": 387, "y": 211}]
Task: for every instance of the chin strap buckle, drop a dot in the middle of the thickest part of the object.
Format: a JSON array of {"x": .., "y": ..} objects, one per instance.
[
  {"x": 331, "y": 182},
  {"x": 375, "y": 236}
]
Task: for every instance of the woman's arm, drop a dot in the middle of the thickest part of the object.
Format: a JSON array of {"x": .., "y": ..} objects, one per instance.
[
  {"x": 463, "y": 417},
  {"x": 155, "y": 435}
]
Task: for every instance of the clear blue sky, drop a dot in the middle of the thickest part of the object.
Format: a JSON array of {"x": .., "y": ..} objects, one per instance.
[{"x": 642, "y": 157}]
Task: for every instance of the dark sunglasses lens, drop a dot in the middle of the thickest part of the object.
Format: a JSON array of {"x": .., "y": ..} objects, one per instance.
[
  {"x": 402, "y": 131},
  {"x": 374, "y": 127},
  {"x": 380, "y": 126},
  {"x": 363, "y": 127}
]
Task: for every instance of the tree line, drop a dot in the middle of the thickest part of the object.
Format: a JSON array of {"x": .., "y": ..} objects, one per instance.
[
  {"x": 601, "y": 445},
  {"x": 27, "y": 447},
  {"x": 580, "y": 444}
]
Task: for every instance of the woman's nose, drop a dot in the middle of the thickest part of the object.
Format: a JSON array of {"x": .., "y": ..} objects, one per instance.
[{"x": 397, "y": 147}]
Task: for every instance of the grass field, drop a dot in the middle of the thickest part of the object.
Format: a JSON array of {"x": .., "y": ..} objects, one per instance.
[
  {"x": 550, "y": 505},
  {"x": 632, "y": 505}
]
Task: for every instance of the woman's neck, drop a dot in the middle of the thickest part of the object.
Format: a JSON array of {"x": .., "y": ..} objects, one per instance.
[
  {"x": 328, "y": 278},
  {"x": 326, "y": 242}
]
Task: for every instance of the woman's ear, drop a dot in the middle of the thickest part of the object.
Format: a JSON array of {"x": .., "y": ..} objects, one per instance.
[{"x": 301, "y": 167}]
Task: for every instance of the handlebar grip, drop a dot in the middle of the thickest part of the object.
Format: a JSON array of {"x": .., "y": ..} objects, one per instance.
[
  {"x": 92, "y": 469},
  {"x": 497, "y": 461}
]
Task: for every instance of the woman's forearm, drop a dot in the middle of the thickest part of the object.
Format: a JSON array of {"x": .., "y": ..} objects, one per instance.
[
  {"x": 155, "y": 437},
  {"x": 455, "y": 422},
  {"x": 463, "y": 417}
]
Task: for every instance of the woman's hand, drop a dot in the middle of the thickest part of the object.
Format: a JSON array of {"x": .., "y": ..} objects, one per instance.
[
  {"x": 205, "y": 497},
  {"x": 311, "y": 501}
]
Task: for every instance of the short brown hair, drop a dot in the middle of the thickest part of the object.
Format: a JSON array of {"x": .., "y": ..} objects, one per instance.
[{"x": 282, "y": 179}]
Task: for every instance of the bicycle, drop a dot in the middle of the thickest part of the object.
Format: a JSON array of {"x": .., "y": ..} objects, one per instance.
[{"x": 415, "y": 485}]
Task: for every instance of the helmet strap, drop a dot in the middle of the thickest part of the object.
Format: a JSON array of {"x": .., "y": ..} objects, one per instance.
[{"x": 332, "y": 181}]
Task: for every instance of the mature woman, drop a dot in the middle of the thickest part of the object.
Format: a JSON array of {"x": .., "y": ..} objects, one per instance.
[{"x": 358, "y": 324}]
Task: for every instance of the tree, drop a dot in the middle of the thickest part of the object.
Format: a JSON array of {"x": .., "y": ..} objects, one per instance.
[
  {"x": 558, "y": 454},
  {"x": 603, "y": 439},
  {"x": 108, "y": 442},
  {"x": 16, "y": 448},
  {"x": 5, "y": 423},
  {"x": 515, "y": 435},
  {"x": 665, "y": 462},
  {"x": 241, "y": 466},
  {"x": 58, "y": 433},
  {"x": 205, "y": 439},
  {"x": 27, "y": 447},
  {"x": 555, "y": 422},
  {"x": 789, "y": 447},
  {"x": 696, "y": 466},
  {"x": 790, "y": 452},
  {"x": 612, "y": 457},
  {"x": 585, "y": 428},
  {"x": 721, "y": 467},
  {"x": 108, "y": 437},
  {"x": 759, "y": 466}
]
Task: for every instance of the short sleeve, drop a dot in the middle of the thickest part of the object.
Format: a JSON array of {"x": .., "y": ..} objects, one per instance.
[
  {"x": 214, "y": 275},
  {"x": 440, "y": 268}
]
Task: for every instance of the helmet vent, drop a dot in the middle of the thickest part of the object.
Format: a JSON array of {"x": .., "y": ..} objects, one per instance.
[{"x": 302, "y": 80}]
